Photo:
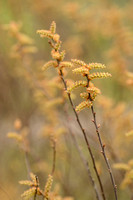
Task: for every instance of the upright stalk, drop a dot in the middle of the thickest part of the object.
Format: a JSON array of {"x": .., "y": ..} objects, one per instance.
[
  {"x": 85, "y": 162},
  {"x": 103, "y": 148},
  {"x": 84, "y": 134}
]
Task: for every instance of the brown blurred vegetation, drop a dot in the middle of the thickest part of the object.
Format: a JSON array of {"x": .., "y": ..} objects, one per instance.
[{"x": 93, "y": 31}]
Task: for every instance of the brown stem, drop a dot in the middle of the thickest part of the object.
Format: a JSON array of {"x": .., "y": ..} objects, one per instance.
[
  {"x": 85, "y": 163},
  {"x": 102, "y": 145},
  {"x": 84, "y": 134},
  {"x": 54, "y": 155},
  {"x": 27, "y": 164},
  {"x": 103, "y": 152}
]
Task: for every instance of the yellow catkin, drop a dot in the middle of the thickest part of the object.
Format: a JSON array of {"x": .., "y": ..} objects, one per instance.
[
  {"x": 84, "y": 95},
  {"x": 65, "y": 64},
  {"x": 16, "y": 136},
  {"x": 99, "y": 75},
  {"x": 49, "y": 64},
  {"x": 53, "y": 27},
  {"x": 121, "y": 166},
  {"x": 83, "y": 104},
  {"x": 55, "y": 54},
  {"x": 45, "y": 33},
  {"x": 33, "y": 177},
  {"x": 56, "y": 37},
  {"x": 30, "y": 183},
  {"x": 81, "y": 70},
  {"x": 18, "y": 124},
  {"x": 48, "y": 186},
  {"x": 78, "y": 62},
  {"x": 76, "y": 85},
  {"x": 62, "y": 53},
  {"x": 96, "y": 66},
  {"x": 130, "y": 133},
  {"x": 57, "y": 45},
  {"x": 93, "y": 89},
  {"x": 29, "y": 193}
]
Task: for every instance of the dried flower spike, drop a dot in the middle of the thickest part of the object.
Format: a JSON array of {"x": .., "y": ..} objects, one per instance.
[
  {"x": 48, "y": 186},
  {"x": 76, "y": 85},
  {"x": 83, "y": 105}
]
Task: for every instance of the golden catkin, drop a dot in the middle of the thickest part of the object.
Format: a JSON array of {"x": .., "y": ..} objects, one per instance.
[
  {"x": 50, "y": 63},
  {"x": 96, "y": 66},
  {"x": 84, "y": 95},
  {"x": 99, "y": 75},
  {"x": 48, "y": 186},
  {"x": 53, "y": 27},
  {"x": 83, "y": 105},
  {"x": 29, "y": 193},
  {"x": 66, "y": 64},
  {"x": 76, "y": 85},
  {"x": 93, "y": 89},
  {"x": 16, "y": 136},
  {"x": 78, "y": 62},
  {"x": 81, "y": 70},
  {"x": 30, "y": 183}
]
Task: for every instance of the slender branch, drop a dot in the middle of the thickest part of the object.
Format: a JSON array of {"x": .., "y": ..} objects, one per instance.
[
  {"x": 85, "y": 163},
  {"x": 27, "y": 164},
  {"x": 54, "y": 155},
  {"x": 34, "y": 198},
  {"x": 84, "y": 134},
  {"x": 103, "y": 147},
  {"x": 35, "y": 194},
  {"x": 103, "y": 152},
  {"x": 51, "y": 42}
]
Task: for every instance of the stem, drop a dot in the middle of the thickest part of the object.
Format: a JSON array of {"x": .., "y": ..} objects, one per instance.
[
  {"x": 84, "y": 134},
  {"x": 85, "y": 163},
  {"x": 27, "y": 164},
  {"x": 54, "y": 155},
  {"x": 102, "y": 146},
  {"x": 103, "y": 152},
  {"x": 35, "y": 194}
]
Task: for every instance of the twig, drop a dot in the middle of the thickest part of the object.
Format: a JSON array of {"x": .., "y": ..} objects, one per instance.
[
  {"x": 51, "y": 42},
  {"x": 103, "y": 152},
  {"x": 34, "y": 198},
  {"x": 54, "y": 155},
  {"x": 27, "y": 164},
  {"x": 102, "y": 146},
  {"x": 85, "y": 163},
  {"x": 84, "y": 134}
]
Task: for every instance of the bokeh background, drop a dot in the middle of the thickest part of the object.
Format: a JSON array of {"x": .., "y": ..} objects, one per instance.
[{"x": 93, "y": 31}]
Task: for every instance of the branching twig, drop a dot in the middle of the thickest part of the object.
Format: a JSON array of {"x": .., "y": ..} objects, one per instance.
[
  {"x": 103, "y": 152},
  {"x": 27, "y": 164},
  {"x": 54, "y": 155},
  {"x": 85, "y": 163},
  {"x": 103, "y": 147},
  {"x": 85, "y": 136}
]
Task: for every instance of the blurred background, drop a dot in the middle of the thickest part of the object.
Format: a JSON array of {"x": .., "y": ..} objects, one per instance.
[{"x": 31, "y": 100}]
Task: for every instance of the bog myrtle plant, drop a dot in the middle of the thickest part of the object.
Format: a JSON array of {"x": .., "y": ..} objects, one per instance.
[{"x": 89, "y": 95}]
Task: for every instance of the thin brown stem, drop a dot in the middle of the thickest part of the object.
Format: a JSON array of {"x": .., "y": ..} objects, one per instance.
[
  {"x": 51, "y": 42},
  {"x": 54, "y": 155},
  {"x": 35, "y": 194},
  {"x": 27, "y": 164},
  {"x": 104, "y": 153},
  {"x": 85, "y": 163},
  {"x": 102, "y": 146},
  {"x": 85, "y": 136}
]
